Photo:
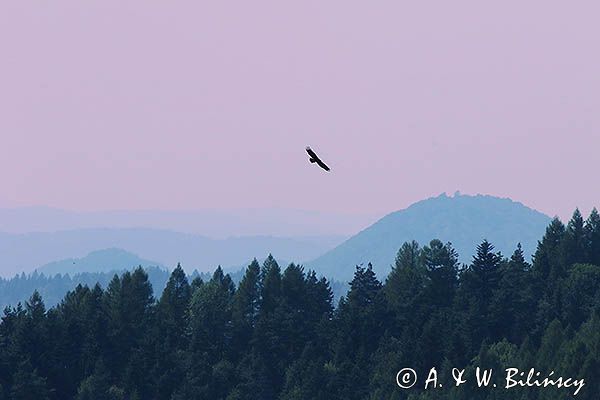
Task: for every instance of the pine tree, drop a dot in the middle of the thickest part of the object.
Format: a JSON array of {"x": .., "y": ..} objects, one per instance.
[
  {"x": 405, "y": 286},
  {"x": 139, "y": 311},
  {"x": 477, "y": 286},
  {"x": 172, "y": 308},
  {"x": 224, "y": 280},
  {"x": 210, "y": 319},
  {"x": 69, "y": 329},
  {"x": 129, "y": 302},
  {"x": 245, "y": 307},
  {"x": 574, "y": 244},
  {"x": 270, "y": 285},
  {"x": 96, "y": 324},
  {"x": 297, "y": 326},
  {"x": 169, "y": 339},
  {"x": 441, "y": 263},
  {"x": 360, "y": 321},
  {"x": 592, "y": 237},
  {"x": 548, "y": 260},
  {"x": 409, "y": 256},
  {"x": 268, "y": 346},
  {"x": 319, "y": 297},
  {"x": 196, "y": 283},
  {"x": 512, "y": 301},
  {"x": 30, "y": 337}
]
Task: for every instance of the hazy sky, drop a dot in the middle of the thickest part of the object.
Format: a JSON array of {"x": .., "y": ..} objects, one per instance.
[{"x": 189, "y": 105}]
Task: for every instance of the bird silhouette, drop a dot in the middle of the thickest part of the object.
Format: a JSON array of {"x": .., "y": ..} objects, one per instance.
[{"x": 315, "y": 159}]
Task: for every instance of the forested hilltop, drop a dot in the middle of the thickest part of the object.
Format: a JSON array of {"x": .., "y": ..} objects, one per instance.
[
  {"x": 53, "y": 288},
  {"x": 277, "y": 335}
]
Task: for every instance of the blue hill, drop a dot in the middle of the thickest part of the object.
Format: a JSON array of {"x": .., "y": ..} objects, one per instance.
[
  {"x": 463, "y": 220},
  {"x": 105, "y": 260}
]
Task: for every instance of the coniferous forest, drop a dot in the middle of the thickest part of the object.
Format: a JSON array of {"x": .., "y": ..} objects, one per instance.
[{"x": 279, "y": 335}]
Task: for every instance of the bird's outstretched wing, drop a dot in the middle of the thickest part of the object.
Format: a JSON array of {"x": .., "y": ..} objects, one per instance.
[
  {"x": 323, "y": 165},
  {"x": 315, "y": 159}
]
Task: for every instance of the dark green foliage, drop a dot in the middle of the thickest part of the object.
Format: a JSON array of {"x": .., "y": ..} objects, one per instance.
[
  {"x": 27, "y": 384},
  {"x": 478, "y": 284},
  {"x": 170, "y": 339},
  {"x": 548, "y": 260},
  {"x": 278, "y": 336},
  {"x": 592, "y": 237},
  {"x": 97, "y": 386},
  {"x": 361, "y": 320},
  {"x": 54, "y": 288},
  {"x": 405, "y": 285},
  {"x": 441, "y": 263},
  {"x": 513, "y": 300},
  {"x": 575, "y": 246},
  {"x": 172, "y": 308},
  {"x": 245, "y": 307}
]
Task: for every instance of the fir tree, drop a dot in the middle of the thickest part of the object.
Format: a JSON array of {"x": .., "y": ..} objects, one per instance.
[
  {"x": 245, "y": 307},
  {"x": 575, "y": 248},
  {"x": 592, "y": 237}
]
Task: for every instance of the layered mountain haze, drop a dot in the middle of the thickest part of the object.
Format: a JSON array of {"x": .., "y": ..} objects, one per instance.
[
  {"x": 26, "y": 252},
  {"x": 106, "y": 260},
  {"x": 217, "y": 224},
  {"x": 464, "y": 220},
  {"x": 87, "y": 255}
]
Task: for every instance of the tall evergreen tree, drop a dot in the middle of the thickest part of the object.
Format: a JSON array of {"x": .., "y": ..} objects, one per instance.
[
  {"x": 478, "y": 284},
  {"x": 296, "y": 325},
  {"x": 270, "y": 285},
  {"x": 245, "y": 307},
  {"x": 548, "y": 260},
  {"x": 268, "y": 346},
  {"x": 361, "y": 320},
  {"x": 405, "y": 285},
  {"x": 441, "y": 264},
  {"x": 210, "y": 338},
  {"x": 513, "y": 300},
  {"x": 434, "y": 319},
  {"x": 592, "y": 237},
  {"x": 172, "y": 307},
  {"x": 129, "y": 302},
  {"x": 319, "y": 297},
  {"x": 575, "y": 246},
  {"x": 169, "y": 341},
  {"x": 210, "y": 319},
  {"x": 35, "y": 330}
]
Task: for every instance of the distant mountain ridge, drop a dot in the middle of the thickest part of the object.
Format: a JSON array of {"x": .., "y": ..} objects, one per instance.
[
  {"x": 105, "y": 260},
  {"x": 214, "y": 224},
  {"x": 464, "y": 220},
  {"x": 26, "y": 252}
]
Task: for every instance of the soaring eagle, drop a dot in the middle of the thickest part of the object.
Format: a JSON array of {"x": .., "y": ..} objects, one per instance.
[{"x": 315, "y": 159}]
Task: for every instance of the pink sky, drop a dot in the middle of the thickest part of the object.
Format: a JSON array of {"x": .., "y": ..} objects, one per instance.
[{"x": 196, "y": 104}]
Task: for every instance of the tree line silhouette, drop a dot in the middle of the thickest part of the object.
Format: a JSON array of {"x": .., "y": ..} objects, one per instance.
[{"x": 279, "y": 335}]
